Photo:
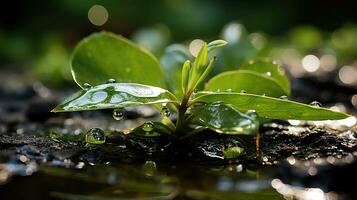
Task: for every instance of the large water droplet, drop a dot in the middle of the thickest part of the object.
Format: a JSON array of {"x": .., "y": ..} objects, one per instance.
[
  {"x": 118, "y": 114},
  {"x": 148, "y": 126},
  {"x": 283, "y": 97},
  {"x": 86, "y": 86},
  {"x": 316, "y": 104},
  {"x": 243, "y": 91},
  {"x": 95, "y": 136},
  {"x": 165, "y": 112},
  {"x": 111, "y": 80}
]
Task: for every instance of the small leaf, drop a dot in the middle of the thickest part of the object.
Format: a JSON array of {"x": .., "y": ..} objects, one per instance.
[
  {"x": 103, "y": 56},
  {"x": 115, "y": 95},
  {"x": 224, "y": 119},
  {"x": 207, "y": 71},
  {"x": 270, "y": 107},
  {"x": 198, "y": 67},
  {"x": 268, "y": 67},
  {"x": 216, "y": 44},
  {"x": 185, "y": 74},
  {"x": 251, "y": 82},
  {"x": 202, "y": 57}
]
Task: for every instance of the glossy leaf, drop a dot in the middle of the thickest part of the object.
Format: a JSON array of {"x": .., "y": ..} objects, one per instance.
[
  {"x": 269, "y": 68},
  {"x": 103, "y": 56},
  {"x": 270, "y": 107},
  {"x": 225, "y": 119},
  {"x": 251, "y": 82},
  {"x": 114, "y": 95}
]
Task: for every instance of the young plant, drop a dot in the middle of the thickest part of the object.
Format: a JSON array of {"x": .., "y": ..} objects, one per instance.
[{"x": 114, "y": 73}]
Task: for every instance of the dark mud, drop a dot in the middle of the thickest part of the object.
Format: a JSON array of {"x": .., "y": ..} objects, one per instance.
[{"x": 48, "y": 150}]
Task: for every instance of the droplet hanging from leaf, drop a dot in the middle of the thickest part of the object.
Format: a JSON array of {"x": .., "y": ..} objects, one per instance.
[{"x": 118, "y": 114}]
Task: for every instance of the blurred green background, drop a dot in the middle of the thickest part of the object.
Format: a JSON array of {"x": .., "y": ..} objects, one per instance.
[{"x": 308, "y": 38}]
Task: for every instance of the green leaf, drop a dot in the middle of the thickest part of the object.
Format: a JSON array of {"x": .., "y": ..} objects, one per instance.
[
  {"x": 268, "y": 67},
  {"x": 225, "y": 119},
  {"x": 216, "y": 44},
  {"x": 103, "y": 56},
  {"x": 202, "y": 58},
  {"x": 270, "y": 107},
  {"x": 185, "y": 74},
  {"x": 249, "y": 81},
  {"x": 115, "y": 95}
]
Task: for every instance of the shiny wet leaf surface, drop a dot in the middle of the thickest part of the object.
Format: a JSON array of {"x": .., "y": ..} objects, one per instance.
[
  {"x": 114, "y": 95},
  {"x": 225, "y": 119},
  {"x": 269, "y": 107}
]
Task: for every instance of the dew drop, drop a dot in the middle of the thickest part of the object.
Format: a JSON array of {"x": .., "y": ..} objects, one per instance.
[
  {"x": 229, "y": 90},
  {"x": 283, "y": 97},
  {"x": 165, "y": 112},
  {"x": 316, "y": 104},
  {"x": 111, "y": 80},
  {"x": 118, "y": 114},
  {"x": 148, "y": 126},
  {"x": 252, "y": 113},
  {"x": 218, "y": 90},
  {"x": 86, "y": 86},
  {"x": 243, "y": 91},
  {"x": 268, "y": 74},
  {"x": 95, "y": 136}
]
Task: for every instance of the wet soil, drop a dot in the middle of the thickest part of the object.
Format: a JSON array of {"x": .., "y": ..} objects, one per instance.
[{"x": 46, "y": 149}]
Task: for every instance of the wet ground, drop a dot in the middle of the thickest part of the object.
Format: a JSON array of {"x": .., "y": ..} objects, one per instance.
[{"x": 44, "y": 155}]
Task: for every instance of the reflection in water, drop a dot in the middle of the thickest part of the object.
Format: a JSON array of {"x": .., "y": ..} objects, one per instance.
[{"x": 300, "y": 193}]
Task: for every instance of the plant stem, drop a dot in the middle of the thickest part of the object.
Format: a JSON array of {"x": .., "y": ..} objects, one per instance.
[{"x": 182, "y": 108}]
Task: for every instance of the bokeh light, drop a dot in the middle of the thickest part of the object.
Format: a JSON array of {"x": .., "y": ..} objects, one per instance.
[
  {"x": 311, "y": 63},
  {"x": 98, "y": 15},
  {"x": 195, "y": 46}
]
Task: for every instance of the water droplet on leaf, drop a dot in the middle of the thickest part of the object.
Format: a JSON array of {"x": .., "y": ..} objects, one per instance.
[
  {"x": 148, "y": 126},
  {"x": 118, "y": 114},
  {"x": 243, "y": 91},
  {"x": 316, "y": 104},
  {"x": 111, "y": 80},
  {"x": 165, "y": 112},
  {"x": 95, "y": 136},
  {"x": 86, "y": 86},
  {"x": 268, "y": 74},
  {"x": 284, "y": 97},
  {"x": 229, "y": 90},
  {"x": 252, "y": 113}
]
